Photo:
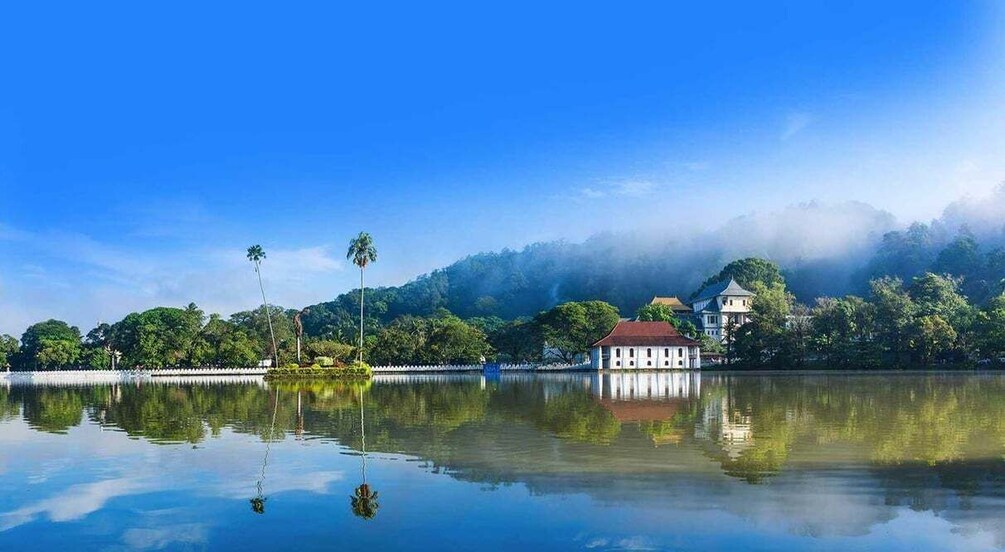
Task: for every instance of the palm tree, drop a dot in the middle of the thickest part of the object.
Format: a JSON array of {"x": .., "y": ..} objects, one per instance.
[
  {"x": 362, "y": 252},
  {"x": 255, "y": 255}
]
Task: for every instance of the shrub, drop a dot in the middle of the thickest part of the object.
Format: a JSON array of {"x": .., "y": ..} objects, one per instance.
[
  {"x": 356, "y": 370},
  {"x": 324, "y": 361}
]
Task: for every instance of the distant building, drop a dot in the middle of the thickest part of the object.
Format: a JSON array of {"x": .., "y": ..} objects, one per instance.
[
  {"x": 645, "y": 345},
  {"x": 679, "y": 308},
  {"x": 720, "y": 306}
]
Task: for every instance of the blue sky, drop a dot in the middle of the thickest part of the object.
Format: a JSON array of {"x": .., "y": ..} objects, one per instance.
[{"x": 144, "y": 147}]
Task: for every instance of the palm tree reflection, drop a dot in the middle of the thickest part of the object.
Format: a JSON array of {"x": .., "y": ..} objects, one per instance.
[
  {"x": 364, "y": 498},
  {"x": 258, "y": 502}
]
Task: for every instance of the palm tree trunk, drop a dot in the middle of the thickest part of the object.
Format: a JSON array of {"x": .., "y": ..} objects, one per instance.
[
  {"x": 360, "y": 355},
  {"x": 268, "y": 313}
]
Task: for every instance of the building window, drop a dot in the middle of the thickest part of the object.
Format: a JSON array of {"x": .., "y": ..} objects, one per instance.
[
  {"x": 649, "y": 363},
  {"x": 680, "y": 351},
  {"x": 731, "y": 302},
  {"x": 617, "y": 352},
  {"x": 649, "y": 353},
  {"x": 632, "y": 363},
  {"x": 618, "y": 363},
  {"x": 680, "y": 363},
  {"x": 666, "y": 363},
  {"x": 631, "y": 353},
  {"x": 666, "y": 352}
]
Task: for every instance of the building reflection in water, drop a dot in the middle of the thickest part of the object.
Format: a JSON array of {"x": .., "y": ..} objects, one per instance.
[
  {"x": 725, "y": 424},
  {"x": 627, "y": 386}
]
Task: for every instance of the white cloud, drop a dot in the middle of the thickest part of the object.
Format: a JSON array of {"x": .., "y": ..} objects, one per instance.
[
  {"x": 185, "y": 535},
  {"x": 631, "y": 188},
  {"x": 697, "y": 166},
  {"x": 75, "y": 503},
  {"x": 634, "y": 188},
  {"x": 795, "y": 123}
]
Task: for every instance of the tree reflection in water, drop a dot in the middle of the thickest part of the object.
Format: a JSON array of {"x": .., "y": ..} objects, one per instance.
[
  {"x": 258, "y": 502},
  {"x": 364, "y": 499},
  {"x": 751, "y": 427}
]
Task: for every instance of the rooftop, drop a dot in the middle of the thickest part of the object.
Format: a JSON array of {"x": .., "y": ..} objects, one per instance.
[
  {"x": 725, "y": 287},
  {"x": 673, "y": 302},
  {"x": 630, "y": 334}
]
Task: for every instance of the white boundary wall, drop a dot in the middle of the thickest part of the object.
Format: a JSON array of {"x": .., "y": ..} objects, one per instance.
[
  {"x": 211, "y": 375},
  {"x": 70, "y": 377},
  {"x": 413, "y": 369}
]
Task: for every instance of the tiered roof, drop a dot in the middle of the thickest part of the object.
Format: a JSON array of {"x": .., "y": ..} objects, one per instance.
[
  {"x": 673, "y": 302},
  {"x": 724, "y": 287}
]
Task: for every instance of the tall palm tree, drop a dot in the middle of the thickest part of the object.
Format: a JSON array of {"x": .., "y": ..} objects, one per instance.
[
  {"x": 362, "y": 252},
  {"x": 256, "y": 254}
]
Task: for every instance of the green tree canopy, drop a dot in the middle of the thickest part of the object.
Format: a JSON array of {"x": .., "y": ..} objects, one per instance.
[
  {"x": 570, "y": 328},
  {"x": 8, "y": 349},
  {"x": 747, "y": 272},
  {"x": 50, "y": 344},
  {"x": 159, "y": 337}
]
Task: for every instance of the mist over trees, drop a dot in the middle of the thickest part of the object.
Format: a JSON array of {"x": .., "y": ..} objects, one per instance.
[
  {"x": 823, "y": 251},
  {"x": 849, "y": 263}
]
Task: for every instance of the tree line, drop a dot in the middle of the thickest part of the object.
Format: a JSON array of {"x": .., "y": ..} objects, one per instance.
[
  {"x": 924, "y": 320},
  {"x": 165, "y": 337},
  {"x": 920, "y": 322}
]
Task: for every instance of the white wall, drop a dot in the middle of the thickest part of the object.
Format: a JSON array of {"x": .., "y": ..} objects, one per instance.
[{"x": 665, "y": 357}]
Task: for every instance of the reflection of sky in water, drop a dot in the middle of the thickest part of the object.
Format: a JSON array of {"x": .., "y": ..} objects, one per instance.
[{"x": 489, "y": 482}]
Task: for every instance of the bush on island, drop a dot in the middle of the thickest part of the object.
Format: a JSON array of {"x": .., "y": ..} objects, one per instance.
[
  {"x": 356, "y": 370},
  {"x": 324, "y": 361}
]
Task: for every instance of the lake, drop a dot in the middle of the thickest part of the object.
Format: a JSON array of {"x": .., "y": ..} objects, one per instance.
[{"x": 640, "y": 461}]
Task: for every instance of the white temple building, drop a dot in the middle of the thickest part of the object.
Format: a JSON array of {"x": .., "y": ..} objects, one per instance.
[{"x": 635, "y": 345}]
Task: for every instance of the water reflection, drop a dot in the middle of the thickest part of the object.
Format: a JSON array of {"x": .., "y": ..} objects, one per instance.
[{"x": 816, "y": 454}]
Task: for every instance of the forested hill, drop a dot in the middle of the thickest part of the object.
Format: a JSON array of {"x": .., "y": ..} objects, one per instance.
[{"x": 823, "y": 251}]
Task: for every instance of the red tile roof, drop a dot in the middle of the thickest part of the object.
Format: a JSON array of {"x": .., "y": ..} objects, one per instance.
[{"x": 631, "y": 334}]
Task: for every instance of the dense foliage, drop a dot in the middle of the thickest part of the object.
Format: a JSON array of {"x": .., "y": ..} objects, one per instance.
[{"x": 926, "y": 322}]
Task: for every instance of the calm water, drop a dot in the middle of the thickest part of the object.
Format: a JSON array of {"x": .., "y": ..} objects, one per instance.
[{"x": 641, "y": 461}]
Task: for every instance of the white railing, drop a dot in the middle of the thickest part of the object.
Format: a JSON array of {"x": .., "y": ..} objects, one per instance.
[
  {"x": 427, "y": 368},
  {"x": 71, "y": 377},
  {"x": 175, "y": 375},
  {"x": 255, "y": 371}
]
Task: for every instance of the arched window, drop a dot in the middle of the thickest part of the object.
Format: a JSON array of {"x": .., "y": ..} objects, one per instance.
[
  {"x": 617, "y": 352},
  {"x": 631, "y": 352},
  {"x": 680, "y": 351},
  {"x": 649, "y": 352},
  {"x": 666, "y": 352}
]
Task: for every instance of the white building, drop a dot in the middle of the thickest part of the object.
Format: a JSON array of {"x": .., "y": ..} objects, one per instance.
[
  {"x": 645, "y": 346},
  {"x": 720, "y": 306}
]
